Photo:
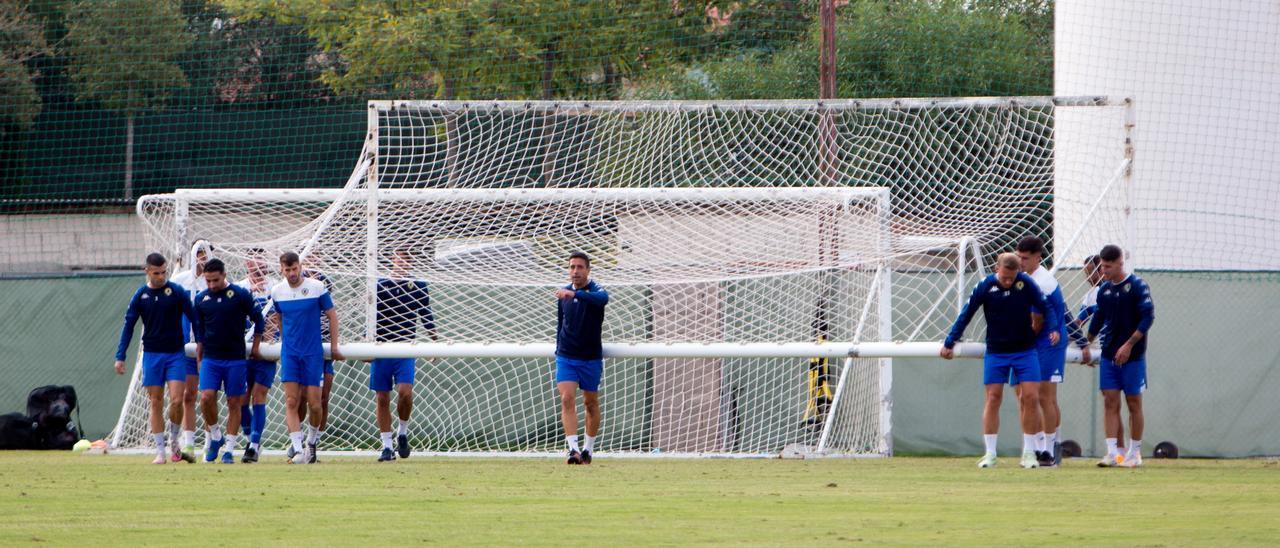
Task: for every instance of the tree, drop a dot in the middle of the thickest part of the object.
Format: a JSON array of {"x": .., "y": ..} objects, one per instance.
[
  {"x": 21, "y": 40},
  {"x": 490, "y": 48},
  {"x": 124, "y": 55},
  {"x": 890, "y": 48}
]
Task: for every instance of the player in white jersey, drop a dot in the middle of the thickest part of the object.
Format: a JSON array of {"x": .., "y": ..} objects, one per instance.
[
  {"x": 260, "y": 373},
  {"x": 192, "y": 280}
]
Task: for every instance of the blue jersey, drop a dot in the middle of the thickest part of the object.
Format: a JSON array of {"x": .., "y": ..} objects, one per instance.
[
  {"x": 579, "y": 322},
  {"x": 1008, "y": 312},
  {"x": 1057, "y": 307},
  {"x": 299, "y": 309},
  {"x": 1122, "y": 309},
  {"x": 162, "y": 311},
  {"x": 219, "y": 321},
  {"x": 402, "y": 305}
]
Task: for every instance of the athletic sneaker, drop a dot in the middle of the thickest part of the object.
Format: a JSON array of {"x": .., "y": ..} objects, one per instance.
[
  {"x": 1029, "y": 459},
  {"x": 387, "y": 455},
  {"x": 299, "y": 457},
  {"x": 574, "y": 458},
  {"x": 1045, "y": 459},
  {"x": 1108, "y": 461},
  {"x": 311, "y": 454},
  {"x": 160, "y": 460},
  {"x": 402, "y": 445},
  {"x": 188, "y": 455},
  {"x": 988, "y": 460},
  {"x": 250, "y": 456},
  {"x": 228, "y": 458},
  {"x": 211, "y": 452},
  {"x": 1132, "y": 462},
  {"x": 190, "y": 450},
  {"x": 586, "y": 457},
  {"x": 290, "y": 452}
]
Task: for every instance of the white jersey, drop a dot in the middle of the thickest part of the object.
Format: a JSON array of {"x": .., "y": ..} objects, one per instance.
[{"x": 261, "y": 297}]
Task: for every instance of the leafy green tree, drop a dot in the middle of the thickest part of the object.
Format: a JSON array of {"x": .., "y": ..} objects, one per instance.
[
  {"x": 489, "y": 48},
  {"x": 124, "y": 56},
  {"x": 890, "y": 48},
  {"x": 21, "y": 40}
]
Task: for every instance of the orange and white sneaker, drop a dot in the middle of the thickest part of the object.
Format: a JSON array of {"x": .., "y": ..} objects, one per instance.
[
  {"x": 1132, "y": 461},
  {"x": 1109, "y": 461}
]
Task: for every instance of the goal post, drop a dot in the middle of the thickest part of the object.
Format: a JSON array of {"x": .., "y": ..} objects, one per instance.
[{"x": 763, "y": 271}]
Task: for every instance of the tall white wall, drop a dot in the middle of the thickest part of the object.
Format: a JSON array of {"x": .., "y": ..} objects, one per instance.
[{"x": 1205, "y": 77}]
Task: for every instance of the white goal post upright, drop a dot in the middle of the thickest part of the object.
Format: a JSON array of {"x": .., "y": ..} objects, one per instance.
[{"x": 729, "y": 267}]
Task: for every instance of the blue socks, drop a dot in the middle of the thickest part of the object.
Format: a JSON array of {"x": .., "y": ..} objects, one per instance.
[
  {"x": 259, "y": 423},
  {"x": 246, "y": 418}
]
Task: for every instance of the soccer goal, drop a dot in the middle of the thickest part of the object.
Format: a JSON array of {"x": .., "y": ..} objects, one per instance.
[{"x": 765, "y": 260}]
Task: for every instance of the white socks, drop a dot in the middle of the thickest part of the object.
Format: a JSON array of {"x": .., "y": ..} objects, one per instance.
[
  {"x": 215, "y": 433},
  {"x": 1111, "y": 447},
  {"x": 386, "y": 440},
  {"x": 1050, "y": 440},
  {"x": 1041, "y": 440},
  {"x": 590, "y": 444},
  {"x": 1028, "y": 442},
  {"x": 188, "y": 438},
  {"x": 1135, "y": 448},
  {"x": 231, "y": 443},
  {"x": 160, "y": 445},
  {"x": 403, "y": 430},
  {"x": 313, "y": 434},
  {"x": 296, "y": 439},
  {"x": 572, "y": 442},
  {"x": 989, "y": 440}
]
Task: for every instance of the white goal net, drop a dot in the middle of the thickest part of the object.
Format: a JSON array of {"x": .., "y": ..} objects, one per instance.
[{"x": 761, "y": 257}]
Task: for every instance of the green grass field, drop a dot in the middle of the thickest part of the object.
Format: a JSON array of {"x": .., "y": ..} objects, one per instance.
[{"x": 65, "y": 498}]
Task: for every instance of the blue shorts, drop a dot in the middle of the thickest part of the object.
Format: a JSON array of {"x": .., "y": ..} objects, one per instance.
[
  {"x": 225, "y": 375},
  {"x": 996, "y": 368},
  {"x": 260, "y": 372},
  {"x": 304, "y": 370},
  {"x": 328, "y": 367},
  {"x": 159, "y": 368},
  {"x": 386, "y": 372},
  {"x": 1130, "y": 377},
  {"x": 584, "y": 372},
  {"x": 192, "y": 369},
  {"x": 1052, "y": 360}
]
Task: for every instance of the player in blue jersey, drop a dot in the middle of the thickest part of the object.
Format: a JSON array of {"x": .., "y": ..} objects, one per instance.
[
  {"x": 297, "y": 304},
  {"x": 403, "y": 303},
  {"x": 220, "y": 314},
  {"x": 259, "y": 373},
  {"x": 1015, "y": 310},
  {"x": 1051, "y": 348},
  {"x": 579, "y": 358},
  {"x": 326, "y": 384},
  {"x": 161, "y": 305},
  {"x": 192, "y": 280},
  {"x": 1124, "y": 317}
]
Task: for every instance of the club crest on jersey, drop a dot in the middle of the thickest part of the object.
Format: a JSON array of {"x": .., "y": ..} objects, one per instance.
[
  {"x": 1019, "y": 285},
  {"x": 168, "y": 291},
  {"x": 1126, "y": 288},
  {"x": 304, "y": 292},
  {"x": 206, "y": 297},
  {"x": 231, "y": 293}
]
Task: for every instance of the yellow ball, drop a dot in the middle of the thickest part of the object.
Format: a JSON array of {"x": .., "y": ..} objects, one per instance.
[{"x": 81, "y": 446}]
